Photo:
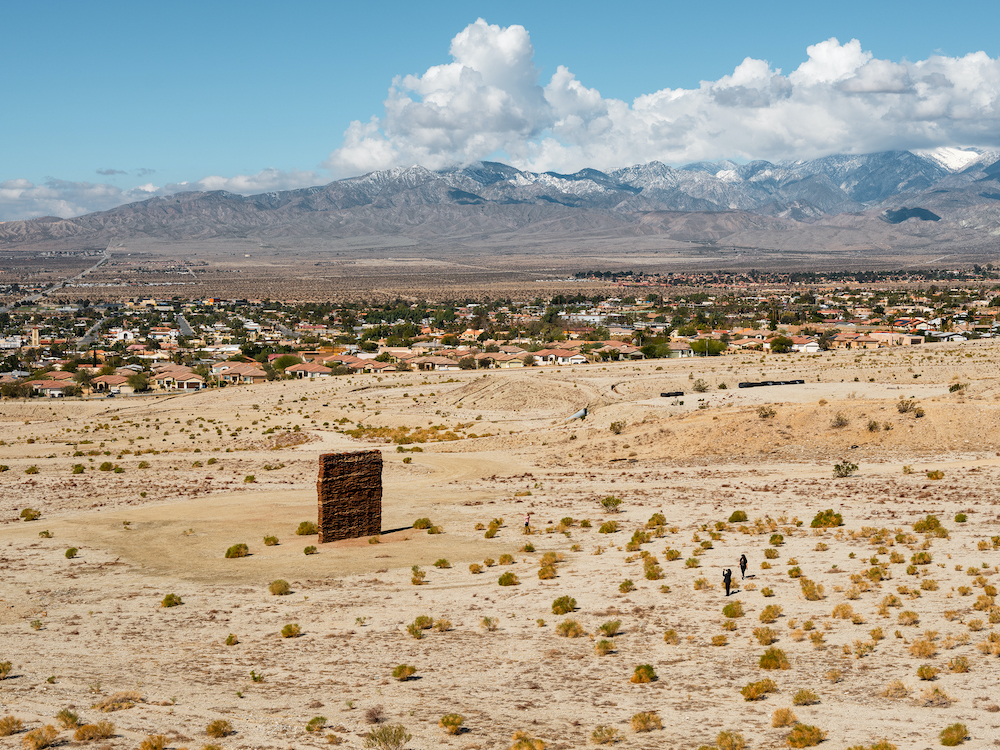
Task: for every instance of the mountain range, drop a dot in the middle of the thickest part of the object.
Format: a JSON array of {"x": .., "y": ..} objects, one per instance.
[{"x": 890, "y": 197}]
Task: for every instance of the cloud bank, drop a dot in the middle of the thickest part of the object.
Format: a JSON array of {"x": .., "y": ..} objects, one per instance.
[{"x": 490, "y": 102}]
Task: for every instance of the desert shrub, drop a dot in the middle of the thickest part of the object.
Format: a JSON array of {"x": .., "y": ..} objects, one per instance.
[
  {"x": 280, "y": 587},
  {"x": 895, "y": 690},
  {"x": 643, "y": 673},
  {"x": 805, "y": 698},
  {"x": 40, "y": 738},
  {"x": 307, "y": 528},
  {"x": 770, "y": 613},
  {"x": 506, "y": 559},
  {"x": 403, "y": 672},
  {"x": 100, "y": 730},
  {"x": 953, "y": 735},
  {"x": 30, "y": 514},
  {"x": 291, "y": 630},
  {"x": 604, "y": 647},
  {"x": 692, "y": 562},
  {"x": 9, "y": 725},
  {"x": 508, "y": 579},
  {"x": 475, "y": 568},
  {"x": 730, "y": 740},
  {"x": 783, "y": 717},
  {"x": 611, "y": 628},
  {"x": 221, "y": 728},
  {"x": 422, "y": 523},
  {"x": 961, "y": 518},
  {"x": 767, "y": 591},
  {"x": 118, "y": 701},
  {"x": 927, "y": 672},
  {"x": 424, "y": 622},
  {"x": 610, "y": 503},
  {"x": 442, "y": 563},
  {"x": 237, "y": 550},
  {"x": 71, "y": 553},
  {"x": 608, "y": 527},
  {"x": 153, "y": 742},
  {"x": 811, "y": 590},
  {"x": 387, "y": 737},
  {"x": 927, "y": 525},
  {"x": 310, "y": 550},
  {"x": 733, "y": 609},
  {"x": 626, "y": 586},
  {"x": 524, "y": 741},
  {"x": 921, "y": 558},
  {"x": 547, "y": 572},
  {"x": 827, "y": 519},
  {"x": 755, "y": 691},
  {"x": 959, "y": 665},
  {"x": 585, "y": 523},
  {"x": 935, "y": 474},
  {"x": 67, "y": 719},
  {"x": 795, "y": 572},
  {"x": 699, "y": 386},
  {"x": 720, "y": 640},
  {"x": 774, "y": 658},
  {"x": 923, "y": 649},
  {"x": 908, "y": 617},
  {"x": 839, "y": 420},
  {"x": 563, "y": 605},
  {"x": 738, "y": 516},
  {"x": 843, "y": 611},
  {"x": 936, "y": 697},
  {"x": 646, "y": 721},
  {"x": 765, "y": 636},
  {"x": 442, "y": 625},
  {"x": 672, "y": 554},
  {"x": 171, "y": 600},
  {"x": 844, "y": 469},
  {"x": 232, "y": 639},
  {"x": 657, "y": 519},
  {"x": 671, "y": 638},
  {"x": 452, "y": 723},
  {"x": 777, "y": 540},
  {"x": 804, "y": 735},
  {"x": 605, "y": 735},
  {"x": 569, "y": 629}
]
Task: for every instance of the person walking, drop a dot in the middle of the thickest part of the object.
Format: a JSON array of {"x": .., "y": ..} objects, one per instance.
[
  {"x": 527, "y": 520},
  {"x": 727, "y": 579},
  {"x": 743, "y": 566}
]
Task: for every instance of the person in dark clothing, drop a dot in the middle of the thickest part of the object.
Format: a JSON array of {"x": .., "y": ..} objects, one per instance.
[
  {"x": 743, "y": 566},
  {"x": 727, "y": 579}
]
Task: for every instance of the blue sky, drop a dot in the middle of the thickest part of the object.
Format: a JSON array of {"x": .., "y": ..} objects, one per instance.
[{"x": 114, "y": 101}]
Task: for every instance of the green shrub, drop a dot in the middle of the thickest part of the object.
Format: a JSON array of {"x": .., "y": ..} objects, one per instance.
[
  {"x": 805, "y": 698},
  {"x": 316, "y": 724},
  {"x": 570, "y": 629},
  {"x": 280, "y": 587},
  {"x": 442, "y": 563},
  {"x": 232, "y": 639},
  {"x": 563, "y": 605},
  {"x": 171, "y": 600},
  {"x": 71, "y": 553},
  {"x": 452, "y": 723},
  {"x": 422, "y": 523},
  {"x": 608, "y": 527},
  {"x": 738, "y": 516},
  {"x": 626, "y": 586},
  {"x": 219, "y": 728},
  {"x": 310, "y": 550},
  {"x": 827, "y": 519},
  {"x": 506, "y": 559},
  {"x": 307, "y": 528},
  {"x": 403, "y": 672},
  {"x": 611, "y": 503},
  {"x": 291, "y": 630},
  {"x": 733, "y": 609},
  {"x": 953, "y": 735},
  {"x": 804, "y": 735},
  {"x": 508, "y": 579},
  {"x": 270, "y": 541},
  {"x": 78, "y": 468},
  {"x": 961, "y": 518},
  {"x": 774, "y": 658},
  {"x": 237, "y": 550},
  {"x": 30, "y": 514},
  {"x": 643, "y": 673},
  {"x": 844, "y": 469}
]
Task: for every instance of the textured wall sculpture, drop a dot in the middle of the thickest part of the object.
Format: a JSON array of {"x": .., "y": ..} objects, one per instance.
[{"x": 350, "y": 495}]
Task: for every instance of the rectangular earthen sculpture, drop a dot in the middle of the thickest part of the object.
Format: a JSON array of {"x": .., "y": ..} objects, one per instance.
[{"x": 350, "y": 495}]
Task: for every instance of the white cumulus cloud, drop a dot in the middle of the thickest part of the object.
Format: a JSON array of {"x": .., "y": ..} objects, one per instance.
[{"x": 490, "y": 102}]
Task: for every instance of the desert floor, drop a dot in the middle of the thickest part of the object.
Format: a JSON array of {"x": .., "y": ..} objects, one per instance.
[{"x": 176, "y": 495}]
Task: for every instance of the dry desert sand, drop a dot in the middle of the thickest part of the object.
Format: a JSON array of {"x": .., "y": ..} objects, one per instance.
[{"x": 78, "y": 630}]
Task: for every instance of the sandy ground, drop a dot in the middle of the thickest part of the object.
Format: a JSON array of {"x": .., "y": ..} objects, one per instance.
[{"x": 78, "y": 630}]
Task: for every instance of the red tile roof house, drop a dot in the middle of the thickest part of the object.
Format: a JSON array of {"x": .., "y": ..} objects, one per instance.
[
  {"x": 435, "y": 363},
  {"x": 50, "y": 388},
  {"x": 111, "y": 383},
  {"x": 309, "y": 370},
  {"x": 559, "y": 357}
]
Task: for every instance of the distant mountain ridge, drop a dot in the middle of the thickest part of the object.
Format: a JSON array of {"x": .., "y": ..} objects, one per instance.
[{"x": 486, "y": 198}]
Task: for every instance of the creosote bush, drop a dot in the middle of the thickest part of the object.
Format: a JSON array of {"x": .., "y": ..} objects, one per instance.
[
  {"x": 403, "y": 672},
  {"x": 605, "y": 735},
  {"x": 783, "y": 717},
  {"x": 9, "y": 725},
  {"x": 171, "y": 600},
  {"x": 646, "y": 721},
  {"x": 508, "y": 579},
  {"x": 563, "y": 605},
  {"x": 524, "y": 741},
  {"x": 40, "y": 738},
  {"x": 291, "y": 630},
  {"x": 570, "y": 629},
  {"x": 643, "y": 673},
  {"x": 310, "y": 550},
  {"x": 100, "y": 730},
  {"x": 604, "y": 647},
  {"x": 237, "y": 550},
  {"x": 774, "y": 658},
  {"x": 755, "y": 691},
  {"x": 280, "y": 587},
  {"x": 220, "y": 728},
  {"x": 307, "y": 528},
  {"x": 733, "y": 609},
  {"x": 805, "y": 697},
  {"x": 954, "y": 734},
  {"x": 730, "y": 740},
  {"x": 387, "y": 737},
  {"x": 270, "y": 541},
  {"x": 804, "y": 735},
  {"x": 452, "y": 723}
]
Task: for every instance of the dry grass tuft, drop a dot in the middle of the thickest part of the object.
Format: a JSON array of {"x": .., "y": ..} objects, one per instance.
[
  {"x": 9, "y": 725},
  {"x": 646, "y": 721},
  {"x": 102, "y": 730},
  {"x": 219, "y": 728},
  {"x": 783, "y": 717},
  {"x": 40, "y": 738},
  {"x": 119, "y": 701}
]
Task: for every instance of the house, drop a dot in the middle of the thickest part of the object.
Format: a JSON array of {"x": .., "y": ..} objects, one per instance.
[
  {"x": 680, "y": 349},
  {"x": 309, "y": 370},
  {"x": 441, "y": 364},
  {"x": 805, "y": 344},
  {"x": 50, "y": 388},
  {"x": 108, "y": 383}
]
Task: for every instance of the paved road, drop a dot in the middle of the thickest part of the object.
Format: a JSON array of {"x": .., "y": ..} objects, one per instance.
[{"x": 183, "y": 325}]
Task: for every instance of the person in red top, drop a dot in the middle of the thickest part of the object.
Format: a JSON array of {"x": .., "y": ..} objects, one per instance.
[{"x": 527, "y": 520}]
